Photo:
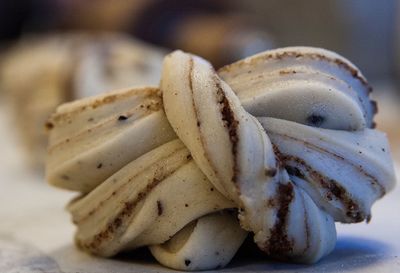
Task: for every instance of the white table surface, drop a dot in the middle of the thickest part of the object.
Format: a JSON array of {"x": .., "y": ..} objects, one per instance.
[{"x": 36, "y": 234}]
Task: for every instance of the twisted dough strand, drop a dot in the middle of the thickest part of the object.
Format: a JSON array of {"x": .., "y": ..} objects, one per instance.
[
  {"x": 232, "y": 149},
  {"x": 307, "y": 85}
]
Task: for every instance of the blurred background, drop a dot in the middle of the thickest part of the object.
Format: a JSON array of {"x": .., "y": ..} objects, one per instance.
[
  {"x": 366, "y": 32},
  {"x": 52, "y": 51}
]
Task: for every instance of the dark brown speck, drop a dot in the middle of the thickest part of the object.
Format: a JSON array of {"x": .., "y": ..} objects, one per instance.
[
  {"x": 122, "y": 117},
  {"x": 159, "y": 208}
]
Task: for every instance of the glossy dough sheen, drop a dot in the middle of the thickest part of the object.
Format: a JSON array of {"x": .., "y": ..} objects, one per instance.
[{"x": 283, "y": 137}]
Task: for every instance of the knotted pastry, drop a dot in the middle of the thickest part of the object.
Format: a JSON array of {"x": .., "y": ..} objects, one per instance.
[{"x": 282, "y": 139}]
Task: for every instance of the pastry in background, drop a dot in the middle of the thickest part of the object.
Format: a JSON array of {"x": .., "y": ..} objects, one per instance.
[
  {"x": 39, "y": 73},
  {"x": 36, "y": 76},
  {"x": 114, "y": 63}
]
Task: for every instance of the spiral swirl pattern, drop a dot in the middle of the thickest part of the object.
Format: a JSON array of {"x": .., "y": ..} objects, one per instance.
[{"x": 284, "y": 137}]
